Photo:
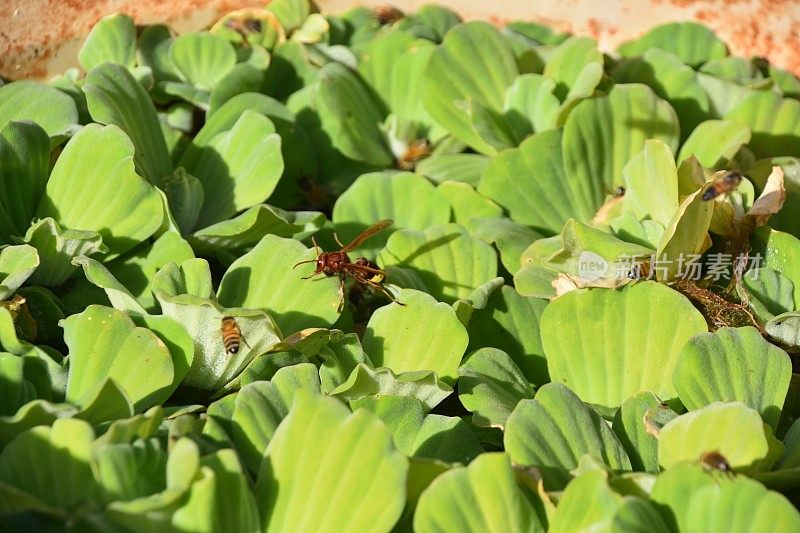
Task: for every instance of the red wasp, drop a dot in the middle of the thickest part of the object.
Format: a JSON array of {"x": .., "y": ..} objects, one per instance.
[{"x": 339, "y": 264}]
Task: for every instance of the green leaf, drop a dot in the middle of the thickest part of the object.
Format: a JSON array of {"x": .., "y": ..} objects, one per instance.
[
  {"x": 688, "y": 497},
  {"x": 57, "y": 248},
  {"x": 734, "y": 364},
  {"x": 449, "y": 261},
  {"x": 290, "y": 13},
  {"x": 771, "y": 289},
  {"x": 350, "y": 115},
  {"x": 732, "y": 429},
  {"x": 785, "y": 80},
  {"x": 264, "y": 278},
  {"x": 723, "y": 95},
  {"x": 443, "y": 438},
  {"x": 405, "y": 97},
  {"x": 339, "y": 358},
  {"x": 773, "y": 121},
  {"x": 195, "y": 96},
  {"x": 105, "y": 343},
  {"x": 94, "y": 186},
  {"x": 240, "y": 169},
  {"x": 785, "y": 328},
  {"x": 364, "y": 381},
  {"x": 598, "y": 139},
  {"x": 394, "y": 338},
  {"x": 467, "y": 203},
  {"x": 260, "y": 406},
  {"x": 136, "y": 269},
  {"x": 510, "y": 322},
  {"x": 115, "y": 97},
  {"x": 588, "y": 503},
  {"x": 474, "y": 63},
  {"x": 17, "y": 263},
  {"x": 510, "y": 238},
  {"x": 112, "y": 39},
  {"x": 245, "y": 230},
  {"x": 450, "y": 502},
  {"x": 219, "y": 499},
  {"x": 592, "y": 257},
  {"x": 465, "y": 307},
  {"x": 213, "y": 366},
  {"x": 105, "y": 402},
  {"x": 185, "y": 197},
  {"x": 692, "y": 42},
  {"x": 28, "y": 100},
  {"x": 542, "y": 433},
  {"x": 636, "y": 514},
  {"x": 357, "y": 484},
  {"x": 25, "y": 153},
  {"x": 490, "y": 385},
  {"x": 377, "y": 62},
  {"x": 17, "y": 391},
  {"x": 407, "y": 198},
  {"x": 421, "y": 473},
  {"x": 492, "y": 127},
  {"x": 179, "y": 343},
  {"x": 671, "y": 80},
  {"x": 633, "y": 355},
  {"x": 651, "y": 183},
  {"x": 530, "y": 183},
  {"x": 201, "y": 59},
  {"x": 685, "y": 236},
  {"x": 779, "y": 251},
  {"x": 736, "y": 69},
  {"x": 715, "y": 142},
  {"x": 52, "y": 463},
  {"x": 466, "y": 168},
  {"x": 566, "y": 64},
  {"x": 631, "y": 430},
  {"x": 531, "y": 105},
  {"x": 32, "y": 414},
  {"x": 438, "y": 18},
  {"x": 153, "y": 51},
  {"x": 242, "y": 78},
  {"x": 791, "y": 456},
  {"x": 534, "y": 278},
  {"x": 128, "y": 471}
]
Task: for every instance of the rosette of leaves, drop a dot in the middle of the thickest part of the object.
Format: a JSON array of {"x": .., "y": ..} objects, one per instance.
[{"x": 503, "y": 155}]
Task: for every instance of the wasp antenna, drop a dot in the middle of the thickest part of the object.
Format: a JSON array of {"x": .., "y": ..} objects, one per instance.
[
  {"x": 336, "y": 237},
  {"x": 303, "y": 262}
]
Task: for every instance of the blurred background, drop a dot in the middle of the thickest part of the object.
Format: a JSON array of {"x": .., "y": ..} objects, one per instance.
[{"x": 40, "y": 38}]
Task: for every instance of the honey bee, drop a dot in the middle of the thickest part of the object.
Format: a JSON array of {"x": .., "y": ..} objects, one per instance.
[
  {"x": 387, "y": 14},
  {"x": 715, "y": 461},
  {"x": 416, "y": 151},
  {"x": 729, "y": 181},
  {"x": 231, "y": 335},
  {"x": 339, "y": 264}
]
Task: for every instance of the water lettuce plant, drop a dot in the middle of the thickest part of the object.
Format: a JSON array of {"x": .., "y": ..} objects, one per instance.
[{"x": 594, "y": 259}]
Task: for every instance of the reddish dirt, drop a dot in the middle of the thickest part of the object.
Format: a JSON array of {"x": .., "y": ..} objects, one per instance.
[{"x": 32, "y": 31}]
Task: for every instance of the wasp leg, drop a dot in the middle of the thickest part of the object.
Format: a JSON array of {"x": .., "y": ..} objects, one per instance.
[
  {"x": 341, "y": 291},
  {"x": 382, "y": 289}
]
